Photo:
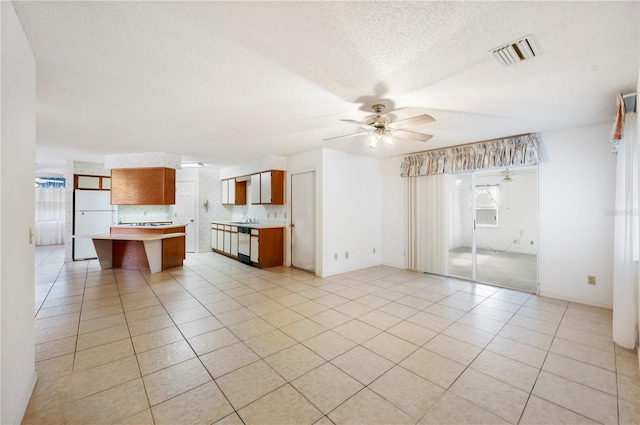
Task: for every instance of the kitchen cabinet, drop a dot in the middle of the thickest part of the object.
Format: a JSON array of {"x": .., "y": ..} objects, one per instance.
[
  {"x": 220, "y": 244},
  {"x": 266, "y": 243},
  {"x": 224, "y": 239},
  {"x": 234, "y": 192},
  {"x": 214, "y": 237},
  {"x": 81, "y": 181},
  {"x": 255, "y": 245},
  {"x": 143, "y": 186},
  {"x": 268, "y": 187},
  {"x": 234, "y": 241},
  {"x": 225, "y": 191},
  {"x": 226, "y": 248},
  {"x": 255, "y": 188},
  {"x": 267, "y": 247}
]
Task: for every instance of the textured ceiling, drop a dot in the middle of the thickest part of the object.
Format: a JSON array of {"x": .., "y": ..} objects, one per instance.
[{"x": 229, "y": 82}]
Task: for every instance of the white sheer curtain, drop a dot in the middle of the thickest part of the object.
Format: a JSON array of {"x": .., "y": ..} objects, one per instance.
[
  {"x": 427, "y": 224},
  {"x": 625, "y": 254},
  {"x": 50, "y": 214}
]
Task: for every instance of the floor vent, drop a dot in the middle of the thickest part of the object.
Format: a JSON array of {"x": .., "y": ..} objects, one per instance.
[{"x": 516, "y": 51}]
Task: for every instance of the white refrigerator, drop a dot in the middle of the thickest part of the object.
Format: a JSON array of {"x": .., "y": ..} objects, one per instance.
[{"x": 92, "y": 213}]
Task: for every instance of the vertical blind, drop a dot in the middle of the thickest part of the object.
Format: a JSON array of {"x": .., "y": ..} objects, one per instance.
[{"x": 427, "y": 225}]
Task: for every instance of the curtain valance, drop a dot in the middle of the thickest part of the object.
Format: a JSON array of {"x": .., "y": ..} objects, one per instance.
[
  {"x": 519, "y": 150},
  {"x": 55, "y": 182}
]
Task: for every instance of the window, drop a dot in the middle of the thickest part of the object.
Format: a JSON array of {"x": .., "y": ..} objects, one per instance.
[{"x": 487, "y": 205}]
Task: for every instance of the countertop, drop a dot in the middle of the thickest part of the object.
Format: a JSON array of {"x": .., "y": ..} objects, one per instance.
[
  {"x": 158, "y": 226},
  {"x": 131, "y": 237},
  {"x": 262, "y": 224}
]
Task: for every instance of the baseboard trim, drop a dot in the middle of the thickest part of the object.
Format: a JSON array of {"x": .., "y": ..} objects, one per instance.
[
  {"x": 573, "y": 300},
  {"x": 25, "y": 400}
]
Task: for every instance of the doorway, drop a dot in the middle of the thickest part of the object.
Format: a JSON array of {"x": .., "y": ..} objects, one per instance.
[
  {"x": 186, "y": 211},
  {"x": 493, "y": 226},
  {"x": 303, "y": 221}
]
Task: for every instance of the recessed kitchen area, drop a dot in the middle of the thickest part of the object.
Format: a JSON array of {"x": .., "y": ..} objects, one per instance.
[{"x": 138, "y": 217}]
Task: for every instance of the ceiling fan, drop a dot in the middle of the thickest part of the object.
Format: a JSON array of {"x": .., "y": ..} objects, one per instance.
[
  {"x": 507, "y": 176},
  {"x": 381, "y": 129}
]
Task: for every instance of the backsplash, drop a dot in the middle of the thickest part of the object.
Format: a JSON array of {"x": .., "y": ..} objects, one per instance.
[{"x": 138, "y": 213}]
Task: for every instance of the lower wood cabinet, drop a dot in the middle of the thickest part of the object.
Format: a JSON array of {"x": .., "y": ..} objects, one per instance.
[
  {"x": 131, "y": 254},
  {"x": 267, "y": 244},
  {"x": 267, "y": 247},
  {"x": 224, "y": 239}
]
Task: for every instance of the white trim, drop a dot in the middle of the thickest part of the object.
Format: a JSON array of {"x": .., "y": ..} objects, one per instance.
[{"x": 25, "y": 399}]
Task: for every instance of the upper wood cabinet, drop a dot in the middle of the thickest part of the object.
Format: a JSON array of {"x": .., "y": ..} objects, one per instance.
[
  {"x": 83, "y": 181},
  {"x": 234, "y": 192},
  {"x": 255, "y": 188},
  {"x": 143, "y": 186},
  {"x": 268, "y": 188}
]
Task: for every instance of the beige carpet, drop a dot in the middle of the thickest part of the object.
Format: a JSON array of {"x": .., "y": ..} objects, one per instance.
[{"x": 508, "y": 269}]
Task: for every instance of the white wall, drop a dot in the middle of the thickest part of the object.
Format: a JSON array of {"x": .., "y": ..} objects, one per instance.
[
  {"x": 393, "y": 219},
  {"x": 351, "y": 209},
  {"x": 577, "y": 189},
  {"x": 17, "y": 171}
]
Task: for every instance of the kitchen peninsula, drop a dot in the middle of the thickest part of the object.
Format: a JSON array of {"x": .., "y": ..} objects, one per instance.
[{"x": 150, "y": 246}]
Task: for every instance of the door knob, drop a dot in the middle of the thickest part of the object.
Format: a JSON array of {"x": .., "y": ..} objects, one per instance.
[{"x": 292, "y": 225}]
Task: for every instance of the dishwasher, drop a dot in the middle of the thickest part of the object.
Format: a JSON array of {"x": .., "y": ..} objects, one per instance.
[{"x": 244, "y": 244}]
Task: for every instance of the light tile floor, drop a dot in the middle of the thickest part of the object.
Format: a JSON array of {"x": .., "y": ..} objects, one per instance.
[{"x": 218, "y": 342}]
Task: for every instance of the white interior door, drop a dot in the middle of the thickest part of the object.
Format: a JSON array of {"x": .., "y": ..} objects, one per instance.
[
  {"x": 186, "y": 211},
  {"x": 303, "y": 221}
]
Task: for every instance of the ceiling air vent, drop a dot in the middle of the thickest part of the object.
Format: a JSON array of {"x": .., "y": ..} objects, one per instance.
[{"x": 516, "y": 51}]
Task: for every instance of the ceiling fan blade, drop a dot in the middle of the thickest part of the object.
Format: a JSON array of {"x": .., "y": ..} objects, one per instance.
[
  {"x": 348, "y": 135},
  {"x": 360, "y": 124},
  {"x": 412, "y": 135},
  {"x": 417, "y": 120}
]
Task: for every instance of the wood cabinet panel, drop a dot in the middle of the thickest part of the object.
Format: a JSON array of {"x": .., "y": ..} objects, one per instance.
[
  {"x": 143, "y": 186},
  {"x": 241, "y": 193},
  {"x": 270, "y": 247},
  {"x": 173, "y": 252},
  {"x": 234, "y": 192}
]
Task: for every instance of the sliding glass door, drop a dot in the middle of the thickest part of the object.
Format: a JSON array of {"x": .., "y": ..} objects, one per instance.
[
  {"x": 493, "y": 227},
  {"x": 461, "y": 240}
]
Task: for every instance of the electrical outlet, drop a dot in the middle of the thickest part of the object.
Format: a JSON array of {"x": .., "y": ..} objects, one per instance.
[
  {"x": 346, "y": 255},
  {"x": 335, "y": 256},
  {"x": 591, "y": 280},
  {"x": 374, "y": 250}
]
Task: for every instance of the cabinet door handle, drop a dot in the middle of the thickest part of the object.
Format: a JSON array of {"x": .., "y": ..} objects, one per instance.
[{"x": 292, "y": 225}]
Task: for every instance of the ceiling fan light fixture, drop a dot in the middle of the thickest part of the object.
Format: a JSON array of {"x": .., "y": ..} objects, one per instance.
[
  {"x": 374, "y": 141},
  {"x": 388, "y": 139}
]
